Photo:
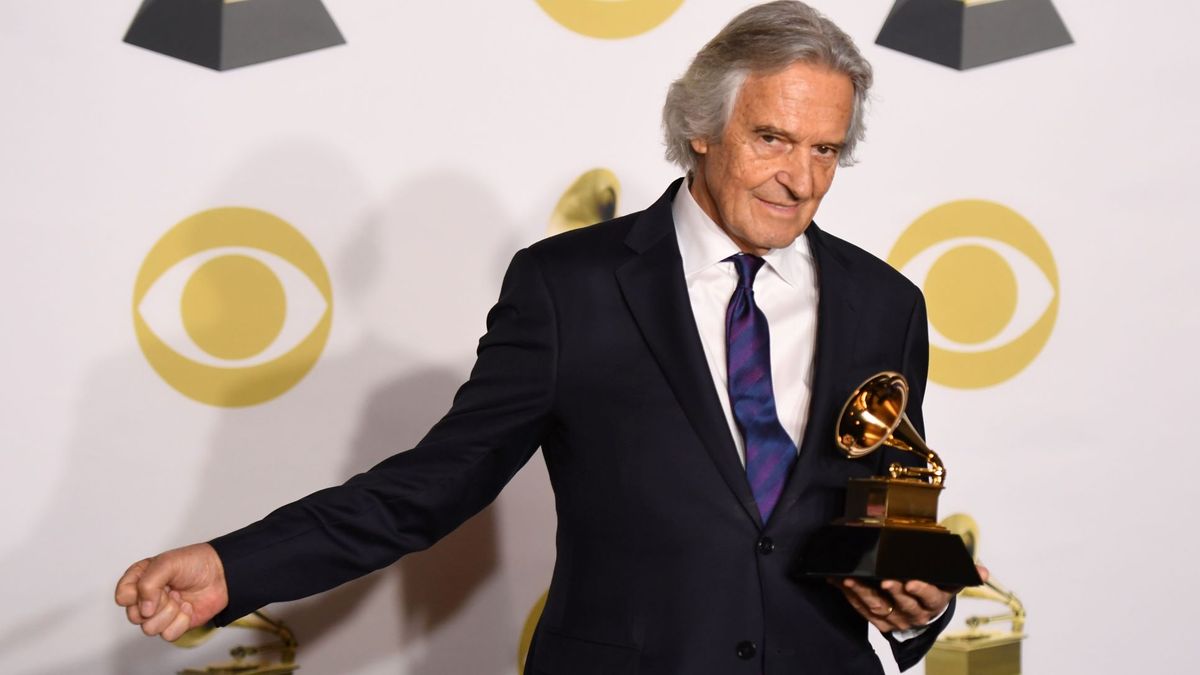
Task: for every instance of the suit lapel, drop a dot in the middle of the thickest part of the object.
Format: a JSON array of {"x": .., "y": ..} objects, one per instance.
[
  {"x": 837, "y": 320},
  {"x": 654, "y": 289}
]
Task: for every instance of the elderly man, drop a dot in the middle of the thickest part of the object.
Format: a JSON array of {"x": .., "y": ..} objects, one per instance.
[{"x": 681, "y": 369}]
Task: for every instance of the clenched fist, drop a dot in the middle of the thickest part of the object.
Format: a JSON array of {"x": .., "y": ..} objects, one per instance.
[{"x": 174, "y": 591}]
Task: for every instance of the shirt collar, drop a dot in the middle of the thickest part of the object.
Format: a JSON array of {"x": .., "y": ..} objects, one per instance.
[{"x": 703, "y": 244}]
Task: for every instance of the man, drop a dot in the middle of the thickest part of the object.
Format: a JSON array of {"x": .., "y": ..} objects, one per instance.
[{"x": 681, "y": 369}]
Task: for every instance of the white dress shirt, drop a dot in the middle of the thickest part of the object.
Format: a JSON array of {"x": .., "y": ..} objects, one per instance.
[{"x": 785, "y": 289}]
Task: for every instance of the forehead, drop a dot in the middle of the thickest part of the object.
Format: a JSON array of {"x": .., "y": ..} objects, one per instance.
[{"x": 803, "y": 98}]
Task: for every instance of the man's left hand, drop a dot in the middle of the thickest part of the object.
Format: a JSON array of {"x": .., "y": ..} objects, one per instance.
[{"x": 897, "y": 605}]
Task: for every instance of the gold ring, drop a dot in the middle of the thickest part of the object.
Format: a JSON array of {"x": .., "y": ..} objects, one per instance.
[{"x": 891, "y": 608}]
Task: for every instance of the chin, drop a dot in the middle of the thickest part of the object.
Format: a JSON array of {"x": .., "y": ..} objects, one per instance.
[{"x": 781, "y": 239}]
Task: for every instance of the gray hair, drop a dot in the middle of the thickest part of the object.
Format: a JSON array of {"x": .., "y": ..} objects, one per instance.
[{"x": 766, "y": 38}]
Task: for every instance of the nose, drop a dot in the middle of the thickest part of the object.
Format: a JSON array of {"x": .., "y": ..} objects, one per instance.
[{"x": 797, "y": 176}]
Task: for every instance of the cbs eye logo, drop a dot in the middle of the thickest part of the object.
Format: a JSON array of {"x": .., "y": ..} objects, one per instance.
[
  {"x": 232, "y": 307},
  {"x": 613, "y": 19},
  {"x": 991, "y": 286}
]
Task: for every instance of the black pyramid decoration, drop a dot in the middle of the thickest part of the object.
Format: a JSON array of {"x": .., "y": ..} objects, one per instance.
[
  {"x": 964, "y": 34},
  {"x": 225, "y": 34}
]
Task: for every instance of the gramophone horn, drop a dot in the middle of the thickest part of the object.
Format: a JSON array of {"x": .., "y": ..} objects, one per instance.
[
  {"x": 874, "y": 417},
  {"x": 965, "y": 527},
  {"x": 591, "y": 199},
  {"x": 871, "y": 414}
]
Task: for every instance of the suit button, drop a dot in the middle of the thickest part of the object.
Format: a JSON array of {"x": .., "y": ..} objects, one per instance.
[
  {"x": 766, "y": 545},
  {"x": 746, "y": 649}
]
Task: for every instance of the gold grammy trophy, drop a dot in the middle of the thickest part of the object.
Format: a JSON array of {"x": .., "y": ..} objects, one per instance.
[
  {"x": 276, "y": 658},
  {"x": 977, "y": 650},
  {"x": 890, "y": 529}
]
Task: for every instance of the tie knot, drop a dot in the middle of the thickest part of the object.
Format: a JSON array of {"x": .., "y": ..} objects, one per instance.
[{"x": 747, "y": 267}]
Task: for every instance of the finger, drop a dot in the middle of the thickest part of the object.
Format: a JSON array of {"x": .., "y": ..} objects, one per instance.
[
  {"x": 134, "y": 615},
  {"x": 881, "y": 623},
  {"x": 151, "y": 585},
  {"x": 908, "y": 611},
  {"x": 984, "y": 573},
  {"x": 126, "y": 591},
  {"x": 931, "y": 597},
  {"x": 875, "y": 603},
  {"x": 181, "y": 624},
  {"x": 166, "y": 614}
]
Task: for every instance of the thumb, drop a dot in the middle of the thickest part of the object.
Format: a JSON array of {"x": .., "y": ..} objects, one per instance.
[{"x": 151, "y": 586}]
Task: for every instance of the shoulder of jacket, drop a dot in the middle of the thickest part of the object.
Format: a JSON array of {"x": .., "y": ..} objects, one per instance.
[
  {"x": 592, "y": 243},
  {"x": 863, "y": 265}
]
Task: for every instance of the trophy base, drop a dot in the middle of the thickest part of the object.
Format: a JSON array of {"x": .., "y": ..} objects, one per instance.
[
  {"x": 975, "y": 654},
  {"x": 880, "y": 551},
  {"x": 964, "y": 35},
  {"x": 221, "y": 34}
]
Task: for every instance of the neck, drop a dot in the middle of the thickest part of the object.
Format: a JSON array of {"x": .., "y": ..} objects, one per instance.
[{"x": 699, "y": 191}]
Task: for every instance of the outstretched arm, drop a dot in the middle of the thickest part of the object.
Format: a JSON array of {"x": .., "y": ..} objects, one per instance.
[{"x": 404, "y": 504}]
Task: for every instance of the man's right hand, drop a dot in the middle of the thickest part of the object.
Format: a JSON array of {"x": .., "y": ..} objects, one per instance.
[{"x": 174, "y": 591}]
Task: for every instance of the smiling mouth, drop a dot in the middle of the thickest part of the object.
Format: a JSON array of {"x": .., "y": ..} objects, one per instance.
[{"x": 778, "y": 207}]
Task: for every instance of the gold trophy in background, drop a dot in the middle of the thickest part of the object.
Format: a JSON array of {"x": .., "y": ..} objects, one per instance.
[
  {"x": 591, "y": 199},
  {"x": 243, "y": 662},
  {"x": 890, "y": 529},
  {"x": 977, "y": 650}
]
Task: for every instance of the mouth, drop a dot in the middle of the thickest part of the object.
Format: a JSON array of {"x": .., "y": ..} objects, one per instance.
[{"x": 786, "y": 209}]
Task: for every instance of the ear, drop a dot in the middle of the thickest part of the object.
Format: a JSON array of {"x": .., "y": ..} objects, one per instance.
[{"x": 700, "y": 146}]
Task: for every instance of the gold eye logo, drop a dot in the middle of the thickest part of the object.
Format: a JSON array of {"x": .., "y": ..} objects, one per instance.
[
  {"x": 232, "y": 307},
  {"x": 992, "y": 289},
  {"x": 612, "y": 19}
]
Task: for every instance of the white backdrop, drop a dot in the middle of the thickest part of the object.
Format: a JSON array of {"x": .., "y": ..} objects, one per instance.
[{"x": 439, "y": 138}]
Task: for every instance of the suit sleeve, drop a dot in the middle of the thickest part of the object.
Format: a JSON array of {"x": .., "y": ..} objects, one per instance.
[
  {"x": 916, "y": 361},
  {"x": 916, "y": 371},
  {"x": 409, "y": 501}
]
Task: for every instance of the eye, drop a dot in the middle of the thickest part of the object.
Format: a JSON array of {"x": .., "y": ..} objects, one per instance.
[
  {"x": 768, "y": 138},
  {"x": 982, "y": 293},
  {"x": 991, "y": 286},
  {"x": 827, "y": 150},
  {"x": 232, "y": 307}
]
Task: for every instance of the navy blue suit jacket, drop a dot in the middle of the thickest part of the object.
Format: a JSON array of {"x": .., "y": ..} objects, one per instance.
[{"x": 592, "y": 354}]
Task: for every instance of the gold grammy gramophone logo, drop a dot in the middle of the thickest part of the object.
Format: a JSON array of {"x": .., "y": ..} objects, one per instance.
[
  {"x": 232, "y": 307},
  {"x": 612, "y": 19},
  {"x": 991, "y": 286}
]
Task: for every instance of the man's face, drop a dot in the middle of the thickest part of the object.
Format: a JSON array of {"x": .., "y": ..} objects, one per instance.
[{"x": 763, "y": 179}]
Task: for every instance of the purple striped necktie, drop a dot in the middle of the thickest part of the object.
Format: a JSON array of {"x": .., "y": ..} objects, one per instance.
[{"x": 770, "y": 453}]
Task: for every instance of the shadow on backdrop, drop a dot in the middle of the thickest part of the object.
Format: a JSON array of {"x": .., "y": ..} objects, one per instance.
[{"x": 366, "y": 398}]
